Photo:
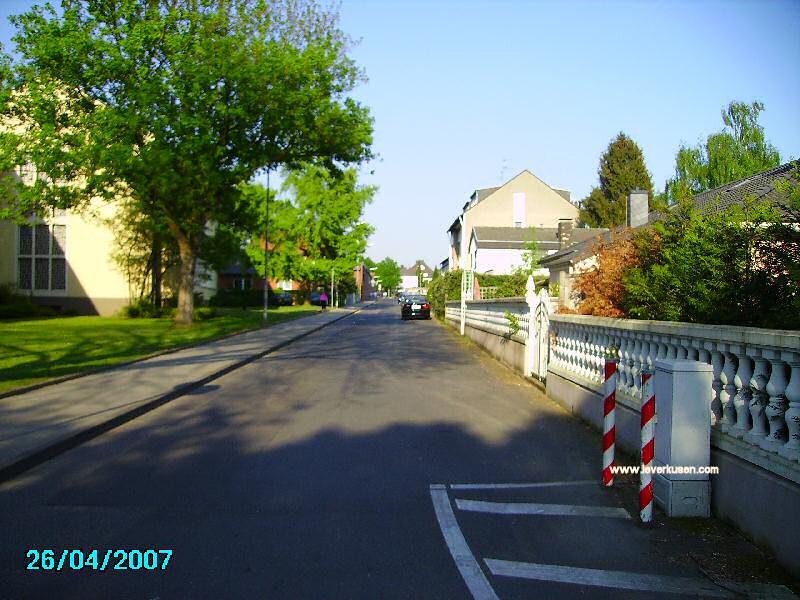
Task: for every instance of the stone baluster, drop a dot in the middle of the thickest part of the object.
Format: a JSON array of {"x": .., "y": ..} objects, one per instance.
[
  {"x": 728, "y": 389},
  {"x": 662, "y": 347},
  {"x": 776, "y": 408},
  {"x": 741, "y": 401},
  {"x": 791, "y": 449},
  {"x": 622, "y": 368},
  {"x": 597, "y": 354},
  {"x": 645, "y": 360},
  {"x": 562, "y": 346},
  {"x": 672, "y": 349},
  {"x": 758, "y": 398},
  {"x": 636, "y": 366},
  {"x": 717, "y": 361},
  {"x": 576, "y": 350},
  {"x": 588, "y": 354},
  {"x": 682, "y": 349},
  {"x": 691, "y": 349},
  {"x": 572, "y": 358}
]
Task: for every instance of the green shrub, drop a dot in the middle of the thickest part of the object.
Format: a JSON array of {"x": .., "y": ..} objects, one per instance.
[
  {"x": 446, "y": 287},
  {"x": 204, "y": 313},
  {"x": 734, "y": 268},
  {"x": 26, "y": 310},
  {"x": 141, "y": 309}
]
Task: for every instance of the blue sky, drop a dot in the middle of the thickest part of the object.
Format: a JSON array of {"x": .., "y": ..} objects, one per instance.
[{"x": 466, "y": 94}]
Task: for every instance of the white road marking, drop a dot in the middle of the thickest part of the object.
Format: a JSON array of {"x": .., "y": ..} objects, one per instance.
[
  {"x": 467, "y": 565},
  {"x": 530, "y": 508},
  {"x": 609, "y": 579},
  {"x": 515, "y": 486}
]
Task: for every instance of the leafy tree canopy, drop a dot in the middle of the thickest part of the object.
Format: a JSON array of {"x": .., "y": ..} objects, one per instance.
[
  {"x": 388, "y": 272},
  {"x": 621, "y": 171},
  {"x": 736, "y": 152},
  {"x": 315, "y": 227},
  {"x": 176, "y": 104}
]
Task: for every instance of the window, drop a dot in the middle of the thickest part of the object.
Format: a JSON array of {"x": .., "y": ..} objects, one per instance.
[
  {"x": 285, "y": 284},
  {"x": 519, "y": 209},
  {"x": 242, "y": 283},
  {"x": 42, "y": 264}
]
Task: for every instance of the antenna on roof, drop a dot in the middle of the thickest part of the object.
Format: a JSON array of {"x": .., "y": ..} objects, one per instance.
[{"x": 503, "y": 170}]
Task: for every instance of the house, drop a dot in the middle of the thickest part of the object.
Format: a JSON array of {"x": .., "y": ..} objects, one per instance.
[
  {"x": 579, "y": 255},
  {"x": 501, "y": 250},
  {"x": 410, "y": 277},
  {"x": 68, "y": 259},
  {"x": 64, "y": 260},
  {"x": 523, "y": 202},
  {"x": 364, "y": 282}
]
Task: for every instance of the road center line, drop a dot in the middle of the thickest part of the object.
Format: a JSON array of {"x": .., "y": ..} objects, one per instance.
[
  {"x": 610, "y": 579},
  {"x": 515, "y": 486},
  {"x": 467, "y": 565},
  {"x": 530, "y": 508}
]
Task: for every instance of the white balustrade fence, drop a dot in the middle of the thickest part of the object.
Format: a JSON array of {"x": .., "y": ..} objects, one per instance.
[{"x": 755, "y": 393}]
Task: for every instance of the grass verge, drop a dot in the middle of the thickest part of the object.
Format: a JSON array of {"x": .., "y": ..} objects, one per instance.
[{"x": 35, "y": 350}]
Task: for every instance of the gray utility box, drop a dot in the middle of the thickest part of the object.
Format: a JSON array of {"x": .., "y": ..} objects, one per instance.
[{"x": 683, "y": 431}]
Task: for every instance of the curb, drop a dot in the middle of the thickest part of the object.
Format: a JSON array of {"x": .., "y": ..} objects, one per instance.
[{"x": 51, "y": 450}]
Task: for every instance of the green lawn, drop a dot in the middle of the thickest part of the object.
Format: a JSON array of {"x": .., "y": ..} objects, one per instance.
[{"x": 40, "y": 349}]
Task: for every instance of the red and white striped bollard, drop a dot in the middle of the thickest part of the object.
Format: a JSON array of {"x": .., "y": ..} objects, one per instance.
[
  {"x": 609, "y": 429},
  {"x": 648, "y": 445}
]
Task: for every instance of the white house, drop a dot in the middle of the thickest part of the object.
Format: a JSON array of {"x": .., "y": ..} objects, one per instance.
[
  {"x": 410, "y": 277},
  {"x": 523, "y": 202}
]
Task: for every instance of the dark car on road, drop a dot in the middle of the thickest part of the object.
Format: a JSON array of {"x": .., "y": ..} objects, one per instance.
[
  {"x": 284, "y": 299},
  {"x": 415, "y": 307}
]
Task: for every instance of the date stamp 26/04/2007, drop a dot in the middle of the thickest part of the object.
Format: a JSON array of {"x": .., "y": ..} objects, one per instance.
[{"x": 76, "y": 559}]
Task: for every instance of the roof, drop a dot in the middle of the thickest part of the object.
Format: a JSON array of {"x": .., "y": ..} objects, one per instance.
[
  {"x": 479, "y": 195},
  {"x": 546, "y": 238},
  {"x": 760, "y": 186},
  {"x": 586, "y": 238},
  {"x": 236, "y": 269},
  {"x": 412, "y": 270}
]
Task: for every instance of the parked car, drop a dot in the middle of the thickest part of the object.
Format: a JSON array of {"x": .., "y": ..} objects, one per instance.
[
  {"x": 415, "y": 307},
  {"x": 284, "y": 299},
  {"x": 314, "y": 298}
]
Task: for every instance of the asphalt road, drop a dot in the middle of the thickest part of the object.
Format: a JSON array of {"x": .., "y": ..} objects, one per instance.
[{"x": 308, "y": 474}]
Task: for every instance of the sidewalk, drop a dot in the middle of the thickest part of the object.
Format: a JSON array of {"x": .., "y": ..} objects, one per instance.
[{"x": 41, "y": 423}]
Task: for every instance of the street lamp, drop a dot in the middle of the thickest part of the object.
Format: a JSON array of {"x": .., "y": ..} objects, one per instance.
[{"x": 266, "y": 253}]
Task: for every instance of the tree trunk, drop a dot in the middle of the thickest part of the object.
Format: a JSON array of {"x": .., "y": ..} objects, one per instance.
[
  {"x": 185, "y": 313},
  {"x": 156, "y": 270}
]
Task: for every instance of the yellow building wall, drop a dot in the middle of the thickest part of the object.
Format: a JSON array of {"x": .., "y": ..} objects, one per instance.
[
  {"x": 95, "y": 284},
  {"x": 8, "y": 253},
  {"x": 91, "y": 271},
  {"x": 543, "y": 208}
]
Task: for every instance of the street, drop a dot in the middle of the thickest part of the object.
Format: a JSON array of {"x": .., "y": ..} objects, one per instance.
[{"x": 315, "y": 472}]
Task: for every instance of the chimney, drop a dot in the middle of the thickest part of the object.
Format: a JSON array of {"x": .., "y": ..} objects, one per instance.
[
  {"x": 637, "y": 209},
  {"x": 564, "y": 233}
]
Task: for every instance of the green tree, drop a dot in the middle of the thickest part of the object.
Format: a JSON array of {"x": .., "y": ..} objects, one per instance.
[
  {"x": 621, "y": 171},
  {"x": 315, "y": 228},
  {"x": 736, "y": 152},
  {"x": 737, "y": 267},
  {"x": 388, "y": 272},
  {"x": 176, "y": 103},
  {"x": 530, "y": 256}
]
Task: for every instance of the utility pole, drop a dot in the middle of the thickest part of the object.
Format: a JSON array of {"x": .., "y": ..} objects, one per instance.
[
  {"x": 266, "y": 254},
  {"x": 331, "y": 298}
]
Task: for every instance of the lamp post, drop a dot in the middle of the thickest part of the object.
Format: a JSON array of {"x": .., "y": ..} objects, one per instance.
[{"x": 266, "y": 254}]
